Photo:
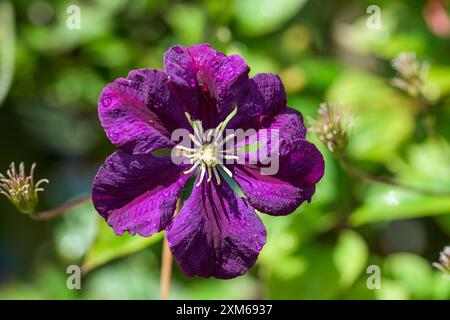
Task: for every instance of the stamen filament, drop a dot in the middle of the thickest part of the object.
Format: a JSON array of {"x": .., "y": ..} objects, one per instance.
[
  {"x": 209, "y": 174},
  {"x": 209, "y": 134},
  {"x": 41, "y": 182},
  {"x": 216, "y": 174},
  {"x": 193, "y": 124},
  {"x": 200, "y": 130},
  {"x": 227, "y": 138},
  {"x": 202, "y": 175},
  {"x": 217, "y": 132},
  {"x": 194, "y": 139},
  {"x": 193, "y": 167},
  {"x": 186, "y": 149},
  {"x": 231, "y": 157},
  {"x": 227, "y": 150},
  {"x": 227, "y": 171}
]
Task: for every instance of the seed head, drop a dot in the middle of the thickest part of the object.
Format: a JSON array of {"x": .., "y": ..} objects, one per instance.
[
  {"x": 444, "y": 262},
  {"x": 411, "y": 74},
  {"x": 332, "y": 126},
  {"x": 21, "y": 189}
]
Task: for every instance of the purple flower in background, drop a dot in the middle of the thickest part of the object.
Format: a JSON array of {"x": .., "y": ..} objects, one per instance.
[{"x": 216, "y": 233}]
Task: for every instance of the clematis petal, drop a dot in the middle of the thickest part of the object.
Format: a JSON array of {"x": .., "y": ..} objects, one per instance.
[
  {"x": 138, "y": 193},
  {"x": 139, "y": 113},
  {"x": 289, "y": 125},
  {"x": 271, "y": 134},
  {"x": 300, "y": 167},
  {"x": 207, "y": 81},
  {"x": 216, "y": 234},
  {"x": 265, "y": 98}
]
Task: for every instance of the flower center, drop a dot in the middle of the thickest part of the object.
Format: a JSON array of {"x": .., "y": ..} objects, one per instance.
[{"x": 208, "y": 154}]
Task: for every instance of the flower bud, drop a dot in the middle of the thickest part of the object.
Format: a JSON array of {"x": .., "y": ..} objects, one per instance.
[
  {"x": 411, "y": 74},
  {"x": 444, "y": 262},
  {"x": 332, "y": 126},
  {"x": 21, "y": 189}
]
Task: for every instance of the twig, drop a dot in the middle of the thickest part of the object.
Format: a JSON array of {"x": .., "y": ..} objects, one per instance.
[
  {"x": 386, "y": 181},
  {"x": 56, "y": 212}
]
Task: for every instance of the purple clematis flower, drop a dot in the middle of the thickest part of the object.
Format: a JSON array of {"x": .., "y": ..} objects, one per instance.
[{"x": 216, "y": 233}]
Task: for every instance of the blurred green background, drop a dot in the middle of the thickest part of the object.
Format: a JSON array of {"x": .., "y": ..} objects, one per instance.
[{"x": 323, "y": 50}]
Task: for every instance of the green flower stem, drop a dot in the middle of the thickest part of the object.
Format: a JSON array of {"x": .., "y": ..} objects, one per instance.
[
  {"x": 351, "y": 169},
  {"x": 56, "y": 212}
]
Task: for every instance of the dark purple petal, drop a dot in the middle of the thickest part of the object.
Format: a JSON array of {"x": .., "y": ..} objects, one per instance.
[
  {"x": 138, "y": 193},
  {"x": 301, "y": 166},
  {"x": 216, "y": 234},
  {"x": 273, "y": 133},
  {"x": 139, "y": 113},
  {"x": 289, "y": 125},
  {"x": 208, "y": 82},
  {"x": 265, "y": 98}
]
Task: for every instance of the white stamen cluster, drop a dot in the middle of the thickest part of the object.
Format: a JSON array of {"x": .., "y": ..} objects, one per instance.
[
  {"x": 332, "y": 126},
  {"x": 208, "y": 154},
  {"x": 411, "y": 74},
  {"x": 444, "y": 262},
  {"x": 21, "y": 189},
  {"x": 406, "y": 64}
]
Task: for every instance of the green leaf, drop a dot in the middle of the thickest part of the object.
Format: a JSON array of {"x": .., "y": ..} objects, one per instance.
[
  {"x": 378, "y": 133},
  {"x": 134, "y": 278},
  {"x": 97, "y": 20},
  {"x": 412, "y": 271},
  {"x": 76, "y": 232},
  {"x": 386, "y": 41},
  {"x": 245, "y": 287},
  {"x": 385, "y": 203},
  {"x": 439, "y": 75},
  {"x": 258, "y": 17},
  {"x": 7, "y": 48},
  {"x": 313, "y": 275},
  {"x": 426, "y": 165},
  {"x": 350, "y": 256},
  {"x": 48, "y": 282},
  {"x": 358, "y": 291},
  {"x": 108, "y": 246},
  {"x": 409, "y": 276},
  {"x": 75, "y": 85},
  {"x": 259, "y": 60},
  {"x": 320, "y": 73},
  {"x": 392, "y": 290},
  {"x": 441, "y": 287},
  {"x": 187, "y": 21}
]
